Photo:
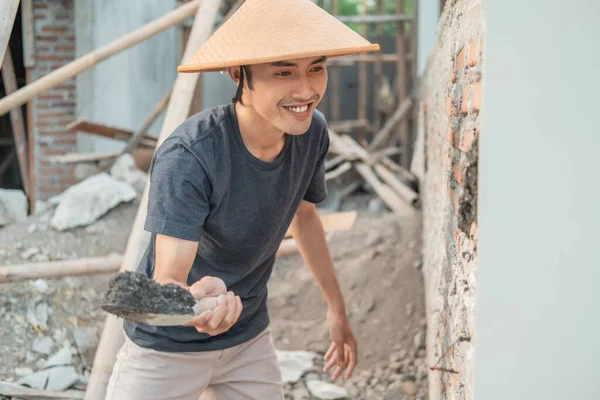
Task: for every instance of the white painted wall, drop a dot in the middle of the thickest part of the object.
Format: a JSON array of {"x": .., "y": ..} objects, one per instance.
[
  {"x": 538, "y": 302},
  {"x": 122, "y": 90}
]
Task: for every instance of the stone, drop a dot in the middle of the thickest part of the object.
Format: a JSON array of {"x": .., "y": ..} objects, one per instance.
[
  {"x": 86, "y": 340},
  {"x": 125, "y": 170},
  {"x": 394, "y": 392},
  {"x": 418, "y": 264},
  {"x": 301, "y": 394},
  {"x": 43, "y": 345},
  {"x": 294, "y": 364},
  {"x": 376, "y": 205},
  {"x": 37, "y": 316},
  {"x": 37, "y": 380},
  {"x": 41, "y": 285},
  {"x": 13, "y": 206},
  {"x": 85, "y": 170},
  {"x": 61, "y": 378},
  {"x": 29, "y": 253},
  {"x": 85, "y": 202},
  {"x": 63, "y": 357},
  {"x": 326, "y": 391},
  {"x": 23, "y": 371},
  {"x": 419, "y": 340},
  {"x": 409, "y": 388}
]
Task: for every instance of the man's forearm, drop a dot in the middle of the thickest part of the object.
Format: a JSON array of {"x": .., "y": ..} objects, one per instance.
[{"x": 308, "y": 232}]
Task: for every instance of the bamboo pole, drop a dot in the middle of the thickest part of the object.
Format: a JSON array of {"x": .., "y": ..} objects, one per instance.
[
  {"x": 177, "y": 111},
  {"x": 374, "y": 19},
  {"x": 384, "y": 133},
  {"x": 73, "y": 68},
  {"x": 378, "y": 72},
  {"x": 8, "y": 12},
  {"x": 137, "y": 137},
  {"x": 401, "y": 86},
  {"x": 16, "y": 118},
  {"x": 362, "y": 79},
  {"x": 57, "y": 269}
]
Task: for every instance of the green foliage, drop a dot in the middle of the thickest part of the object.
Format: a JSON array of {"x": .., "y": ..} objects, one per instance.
[{"x": 352, "y": 8}]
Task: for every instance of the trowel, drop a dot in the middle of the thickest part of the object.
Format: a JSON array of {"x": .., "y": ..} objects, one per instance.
[
  {"x": 152, "y": 318},
  {"x": 136, "y": 297}
]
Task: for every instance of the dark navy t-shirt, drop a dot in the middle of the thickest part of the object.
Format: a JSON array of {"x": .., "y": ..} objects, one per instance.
[{"x": 206, "y": 186}]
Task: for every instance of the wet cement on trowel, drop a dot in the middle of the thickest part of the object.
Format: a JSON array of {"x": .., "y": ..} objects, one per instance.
[{"x": 131, "y": 293}]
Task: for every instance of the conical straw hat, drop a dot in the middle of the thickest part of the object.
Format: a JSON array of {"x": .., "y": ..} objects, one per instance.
[{"x": 262, "y": 31}]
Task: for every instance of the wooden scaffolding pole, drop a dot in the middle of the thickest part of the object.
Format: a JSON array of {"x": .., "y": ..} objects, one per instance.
[
  {"x": 177, "y": 111},
  {"x": 378, "y": 72},
  {"x": 73, "y": 68},
  {"x": 8, "y": 12},
  {"x": 16, "y": 118},
  {"x": 362, "y": 78},
  {"x": 401, "y": 86}
]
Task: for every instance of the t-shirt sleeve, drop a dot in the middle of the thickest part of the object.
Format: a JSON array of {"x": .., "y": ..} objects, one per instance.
[
  {"x": 178, "y": 199},
  {"x": 317, "y": 189}
]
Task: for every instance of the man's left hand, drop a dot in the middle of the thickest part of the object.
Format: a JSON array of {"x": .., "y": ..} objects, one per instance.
[{"x": 343, "y": 351}]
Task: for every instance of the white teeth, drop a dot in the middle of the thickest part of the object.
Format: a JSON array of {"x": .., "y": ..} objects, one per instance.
[{"x": 299, "y": 109}]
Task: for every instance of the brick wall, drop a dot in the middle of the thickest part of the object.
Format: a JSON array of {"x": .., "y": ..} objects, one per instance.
[
  {"x": 449, "y": 128},
  {"x": 54, "y": 108}
]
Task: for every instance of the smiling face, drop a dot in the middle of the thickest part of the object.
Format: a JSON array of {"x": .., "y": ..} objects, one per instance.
[{"x": 286, "y": 93}]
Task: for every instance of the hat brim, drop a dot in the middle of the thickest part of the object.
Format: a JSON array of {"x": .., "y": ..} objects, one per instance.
[{"x": 223, "y": 65}]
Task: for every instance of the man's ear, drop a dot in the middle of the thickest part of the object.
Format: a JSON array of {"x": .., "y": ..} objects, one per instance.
[{"x": 234, "y": 73}]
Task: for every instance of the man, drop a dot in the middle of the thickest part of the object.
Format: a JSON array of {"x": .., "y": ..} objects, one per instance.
[{"x": 225, "y": 187}]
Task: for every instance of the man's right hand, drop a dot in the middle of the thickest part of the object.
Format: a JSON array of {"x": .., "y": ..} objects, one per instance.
[{"x": 228, "y": 310}]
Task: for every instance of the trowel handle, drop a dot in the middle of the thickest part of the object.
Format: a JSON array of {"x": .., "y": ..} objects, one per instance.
[{"x": 205, "y": 304}]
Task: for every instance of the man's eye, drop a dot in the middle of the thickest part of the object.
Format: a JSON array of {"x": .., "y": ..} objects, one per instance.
[
  {"x": 318, "y": 69},
  {"x": 284, "y": 73}
]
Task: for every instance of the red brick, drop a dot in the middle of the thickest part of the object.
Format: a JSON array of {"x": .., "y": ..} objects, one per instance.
[
  {"x": 49, "y": 132},
  {"x": 464, "y": 103},
  {"x": 64, "y": 48},
  {"x": 449, "y": 106},
  {"x": 476, "y": 96},
  {"x": 47, "y": 96},
  {"x": 472, "y": 54},
  {"x": 52, "y": 152},
  {"x": 45, "y": 123},
  {"x": 70, "y": 140},
  {"x": 54, "y": 29},
  {"x": 50, "y": 114},
  {"x": 458, "y": 176},
  {"x": 467, "y": 140},
  {"x": 51, "y": 171},
  {"x": 460, "y": 59},
  {"x": 67, "y": 181},
  {"x": 46, "y": 38},
  {"x": 449, "y": 134},
  {"x": 53, "y": 57}
]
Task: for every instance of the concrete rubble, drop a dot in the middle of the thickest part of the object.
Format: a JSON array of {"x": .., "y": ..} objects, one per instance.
[
  {"x": 86, "y": 201},
  {"x": 13, "y": 206},
  {"x": 55, "y": 324}
]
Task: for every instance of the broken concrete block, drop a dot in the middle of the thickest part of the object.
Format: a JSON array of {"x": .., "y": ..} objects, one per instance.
[
  {"x": 61, "y": 378},
  {"x": 126, "y": 171},
  {"x": 43, "y": 345},
  {"x": 63, "y": 357},
  {"x": 37, "y": 380},
  {"x": 294, "y": 364},
  {"x": 86, "y": 340},
  {"x": 23, "y": 371},
  {"x": 38, "y": 316},
  {"x": 326, "y": 391},
  {"x": 13, "y": 206},
  {"x": 88, "y": 200}
]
